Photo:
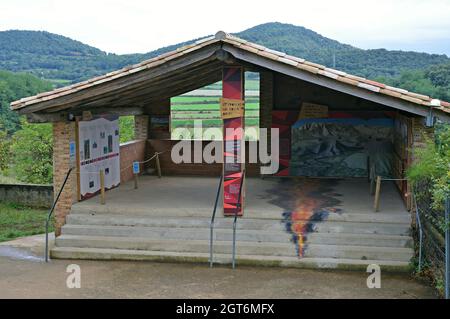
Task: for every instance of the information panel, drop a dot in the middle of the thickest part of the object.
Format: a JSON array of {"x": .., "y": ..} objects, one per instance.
[{"x": 99, "y": 149}]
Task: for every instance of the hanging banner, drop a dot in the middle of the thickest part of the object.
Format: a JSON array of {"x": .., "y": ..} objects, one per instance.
[
  {"x": 99, "y": 150},
  {"x": 232, "y": 111}
]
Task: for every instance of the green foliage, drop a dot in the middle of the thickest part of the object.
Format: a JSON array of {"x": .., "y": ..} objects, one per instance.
[
  {"x": 433, "y": 81},
  {"x": 433, "y": 164},
  {"x": 59, "y": 58},
  {"x": 5, "y": 151},
  {"x": 15, "y": 86},
  {"x": 32, "y": 149},
  {"x": 126, "y": 128}
]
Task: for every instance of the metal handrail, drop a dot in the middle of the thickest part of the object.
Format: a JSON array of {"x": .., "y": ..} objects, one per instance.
[
  {"x": 238, "y": 206},
  {"x": 51, "y": 212},
  {"x": 419, "y": 223},
  {"x": 211, "y": 225}
]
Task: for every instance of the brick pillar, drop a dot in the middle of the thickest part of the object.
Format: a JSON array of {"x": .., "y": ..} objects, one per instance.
[
  {"x": 266, "y": 102},
  {"x": 63, "y": 134},
  {"x": 141, "y": 127}
]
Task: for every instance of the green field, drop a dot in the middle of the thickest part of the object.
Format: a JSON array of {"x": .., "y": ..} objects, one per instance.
[
  {"x": 18, "y": 221},
  {"x": 185, "y": 110}
]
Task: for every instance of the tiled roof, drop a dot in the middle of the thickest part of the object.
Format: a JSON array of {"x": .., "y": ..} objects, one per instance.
[{"x": 257, "y": 49}]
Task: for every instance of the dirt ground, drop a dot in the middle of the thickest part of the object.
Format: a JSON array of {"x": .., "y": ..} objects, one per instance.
[{"x": 24, "y": 274}]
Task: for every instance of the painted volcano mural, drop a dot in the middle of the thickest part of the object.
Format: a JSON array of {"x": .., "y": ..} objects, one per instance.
[{"x": 305, "y": 202}]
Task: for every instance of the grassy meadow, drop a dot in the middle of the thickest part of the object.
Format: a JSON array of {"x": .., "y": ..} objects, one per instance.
[{"x": 204, "y": 105}]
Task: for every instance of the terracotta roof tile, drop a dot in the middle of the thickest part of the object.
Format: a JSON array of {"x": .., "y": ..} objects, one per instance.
[
  {"x": 299, "y": 60},
  {"x": 268, "y": 55},
  {"x": 256, "y": 46},
  {"x": 308, "y": 68},
  {"x": 411, "y": 99},
  {"x": 347, "y": 80},
  {"x": 369, "y": 87},
  {"x": 335, "y": 71},
  {"x": 288, "y": 61},
  {"x": 282, "y": 54},
  {"x": 328, "y": 74},
  {"x": 391, "y": 93},
  {"x": 315, "y": 65},
  {"x": 419, "y": 96},
  {"x": 249, "y": 48}
]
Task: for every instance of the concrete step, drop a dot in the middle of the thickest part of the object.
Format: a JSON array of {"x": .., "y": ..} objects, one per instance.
[
  {"x": 359, "y": 252},
  {"x": 328, "y": 226},
  {"x": 377, "y": 240},
  {"x": 174, "y": 222},
  {"x": 117, "y": 218},
  {"x": 222, "y": 234},
  {"x": 244, "y": 248},
  {"x": 201, "y": 246},
  {"x": 185, "y": 233},
  {"x": 361, "y": 228},
  {"x": 247, "y": 260}
]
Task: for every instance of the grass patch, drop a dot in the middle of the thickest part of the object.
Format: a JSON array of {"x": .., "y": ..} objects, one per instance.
[
  {"x": 18, "y": 221},
  {"x": 208, "y": 107}
]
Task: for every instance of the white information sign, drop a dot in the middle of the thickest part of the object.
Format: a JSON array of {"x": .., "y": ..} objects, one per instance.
[{"x": 99, "y": 149}]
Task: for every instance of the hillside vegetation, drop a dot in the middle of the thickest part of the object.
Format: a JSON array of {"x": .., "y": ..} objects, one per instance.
[{"x": 63, "y": 60}]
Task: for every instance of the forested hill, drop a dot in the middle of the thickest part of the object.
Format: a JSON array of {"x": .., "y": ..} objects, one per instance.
[{"x": 64, "y": 60}]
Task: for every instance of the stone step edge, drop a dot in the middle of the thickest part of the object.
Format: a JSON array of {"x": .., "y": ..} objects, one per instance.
[
  {"x": 406, "y": 223},
  {"x": 225, "y": 259},
  {"x": 230, "y": 230},
  {"x": 228, "y": 242}
]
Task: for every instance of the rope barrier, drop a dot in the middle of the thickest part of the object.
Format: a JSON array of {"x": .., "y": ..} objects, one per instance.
[{"x": 127, "y": 167}]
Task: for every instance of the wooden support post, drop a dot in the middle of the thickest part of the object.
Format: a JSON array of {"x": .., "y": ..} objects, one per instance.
[
  {"x": 135, "y": 181},
  {"x": 158, "y": 165},
  {"x": 102, "y": 187},
  {"x": 376, "y": 205}
]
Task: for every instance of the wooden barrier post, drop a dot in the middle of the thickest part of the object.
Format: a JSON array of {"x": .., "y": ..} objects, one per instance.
[
  {"x": 102, "y": 187},
  {"x": 136, "y": 171},
  {"x": 158, "y": 165},
  {"x": 376, "y": 205}
]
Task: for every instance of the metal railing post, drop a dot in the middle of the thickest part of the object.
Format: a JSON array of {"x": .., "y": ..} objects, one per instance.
[
  {"x": 238, "y": 206},
  {"x": 419, "y": 224},
  {"x": 51, "y": 211},
  {"x": 211, "y": 225}
]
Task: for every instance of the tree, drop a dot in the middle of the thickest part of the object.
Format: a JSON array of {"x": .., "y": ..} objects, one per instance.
[
  {"x": 5, "y": 153},
  {"x": 32, "y": 150}
]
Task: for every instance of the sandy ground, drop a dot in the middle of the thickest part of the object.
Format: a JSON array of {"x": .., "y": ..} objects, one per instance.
[{"x": 24, "y": 274}]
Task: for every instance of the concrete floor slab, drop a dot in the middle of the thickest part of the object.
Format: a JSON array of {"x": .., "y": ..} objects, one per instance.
[{"x": 264, "y": 198}]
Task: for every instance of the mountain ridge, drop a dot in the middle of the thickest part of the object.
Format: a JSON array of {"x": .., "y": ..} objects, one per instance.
[{"x": 64, "y": 60}]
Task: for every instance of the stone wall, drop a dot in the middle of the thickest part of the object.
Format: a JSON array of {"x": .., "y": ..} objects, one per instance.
[{"x": 40, "y": 196}]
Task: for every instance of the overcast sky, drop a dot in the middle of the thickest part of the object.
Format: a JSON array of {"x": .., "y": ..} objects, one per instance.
[{"x": 128, "y": 26}]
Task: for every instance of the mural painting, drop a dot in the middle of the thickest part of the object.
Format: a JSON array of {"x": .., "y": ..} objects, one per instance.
[{"x": 342, "y": 147}]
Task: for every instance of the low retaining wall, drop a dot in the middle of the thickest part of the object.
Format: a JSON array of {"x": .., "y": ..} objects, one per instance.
[
  {"x": 27, "y": 194},
  {"x": 130, "y": 152}
]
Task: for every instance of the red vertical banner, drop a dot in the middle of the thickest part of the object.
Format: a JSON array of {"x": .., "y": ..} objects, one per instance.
[{"x": 232, "y": 111}]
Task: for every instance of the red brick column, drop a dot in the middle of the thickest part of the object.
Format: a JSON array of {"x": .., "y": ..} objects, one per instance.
[{"x": 63, "y": 134}]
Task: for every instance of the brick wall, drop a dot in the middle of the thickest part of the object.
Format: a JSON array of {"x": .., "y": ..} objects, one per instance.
[
  {"x": 168, "y": 167},
  {"x": 141, "y": 127},
  {"x": 130, "y": 152},
  {"x": 63, "y": 134}
]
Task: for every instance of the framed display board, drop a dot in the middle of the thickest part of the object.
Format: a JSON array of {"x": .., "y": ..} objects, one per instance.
[{"x": 99, "y": 149}]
